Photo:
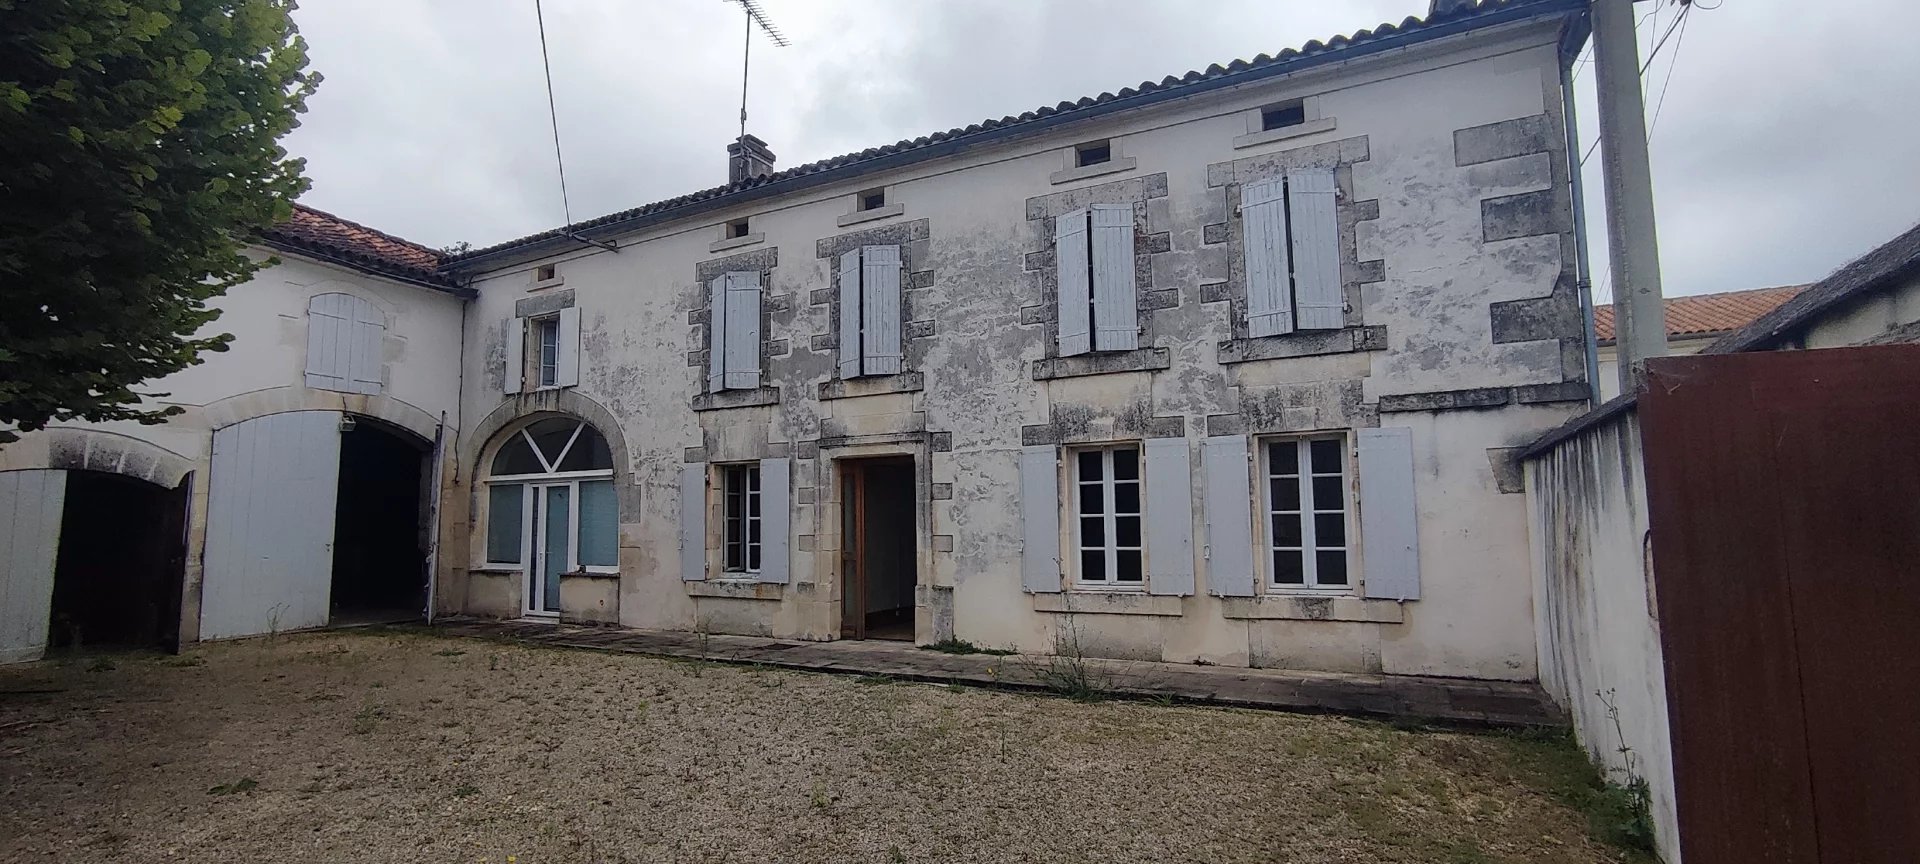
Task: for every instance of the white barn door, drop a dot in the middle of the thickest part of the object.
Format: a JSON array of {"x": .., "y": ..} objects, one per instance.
[
  {"x": 30, "y": 505},
  {"x": 269, "y": 557}
]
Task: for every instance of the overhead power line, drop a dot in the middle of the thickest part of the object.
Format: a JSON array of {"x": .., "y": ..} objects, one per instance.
[{"x": 1679, "y": 22}]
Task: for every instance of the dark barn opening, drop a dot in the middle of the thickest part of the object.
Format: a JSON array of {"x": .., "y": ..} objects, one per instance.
[
  {"x": 122, "y": 555},
  {"x": 379, "y": 548}
]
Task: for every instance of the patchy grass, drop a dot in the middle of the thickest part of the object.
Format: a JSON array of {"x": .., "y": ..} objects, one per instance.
[
  {"x": 478, "y": 751},
  {"x": 962, "y": 646}
]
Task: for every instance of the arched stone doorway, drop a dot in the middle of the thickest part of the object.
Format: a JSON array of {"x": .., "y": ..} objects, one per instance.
[{"x": 550, "y": 509}]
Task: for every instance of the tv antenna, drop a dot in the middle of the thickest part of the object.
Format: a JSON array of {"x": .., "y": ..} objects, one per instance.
[{"x": 755, "y": 16}]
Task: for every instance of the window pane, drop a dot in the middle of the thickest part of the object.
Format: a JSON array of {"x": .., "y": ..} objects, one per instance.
[
  {"x": 1092, "y": 501},
  {"x": 1126, "y": 464},
  {"x": 1093, "y": 532},
  {"x": 1329, "y": 493},
  {"x": 504, "y": 503},
  {"x": 1126, "y": 498},
  {"x": 753, "y": 504},
  {"x": 1093, "y": 566},
  {"x": 599, "y": 528},
  {"x": 1126, "y": 531},
  {"x": 1333, "y": 567},
  {"x": 736, "y": 498},
  {"x": 1286, "y": 530},
  {"x": 1329, "y": 529},
  {"x": 589, "y": 453},
  {"x": 551, "y": 434},
  {"x": 1129, "y": 567},
  {"x": 1283, "y": 459},
  {"x": 753, "y": 531},
  {"x": 1289, "y": 568},
  {"x": 1285, "y": 493},
  {"x": 753, "y": 477},
  {"x": 515, "y": 457},
  {"x": 1090, "y": 465},
  {"x": 753, "y": 557},
  {"x": 1326, "y": 456}
]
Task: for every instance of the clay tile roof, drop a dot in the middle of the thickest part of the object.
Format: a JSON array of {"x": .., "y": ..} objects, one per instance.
[
  {"x": 1706, "y": 314},
  {"x": 323, "y": 235}
]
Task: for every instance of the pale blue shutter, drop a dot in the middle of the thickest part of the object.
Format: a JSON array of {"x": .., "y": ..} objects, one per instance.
[
  {"x": 1389, "y": 526},
  {"x": 775, "y": 519},
  {"x": 850, "y": 314},
  {"x": 1039, "y": 519},
  {"x": 1070, "y": 257},
  {"x": 515, "y": 334},
  {"x": 1263, "y": 221},
  {"x": 31, "y": 506},
  {"x": 717, "y": 334},
  {"x": 743, "y": 330},
  {"x": 693, "y": 522},
  {"x": 369, "y": 345},
  {"x": 329, "y": 342},
  {"x": 1116, "y": 316},
  {"x": 1318, "y": 303},
  {"x": 880, "y": 308},
  {"x": 567, "y": 357},
  {"x": 1229, "y": 513},
  {"x": 1169, "y": 519}
]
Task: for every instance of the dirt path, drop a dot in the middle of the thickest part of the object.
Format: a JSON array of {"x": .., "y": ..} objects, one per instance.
[{"x": 410, "y": 748}]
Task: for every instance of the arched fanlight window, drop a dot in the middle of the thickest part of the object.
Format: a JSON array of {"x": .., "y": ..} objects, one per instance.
[{"x": 551, "y": 507}]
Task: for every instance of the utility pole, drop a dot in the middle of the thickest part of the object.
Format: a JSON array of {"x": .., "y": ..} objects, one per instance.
[{"x": 1639, "y": 306}]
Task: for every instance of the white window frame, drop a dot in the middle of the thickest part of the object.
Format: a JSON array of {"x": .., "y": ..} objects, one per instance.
[
  {"x": 750, "y": 549},
  {"x": 530, "y": 484},
  {"x": 1106, "y": 486},
  {"x": 1309, "y": 547},
  {"x": 546, "y": 371}
]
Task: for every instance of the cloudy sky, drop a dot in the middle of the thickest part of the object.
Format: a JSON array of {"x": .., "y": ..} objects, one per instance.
[{"x": 1786, "y": 144}]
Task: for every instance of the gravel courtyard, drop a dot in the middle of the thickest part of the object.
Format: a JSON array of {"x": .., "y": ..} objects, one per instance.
[{"x": 405, "y": 747}]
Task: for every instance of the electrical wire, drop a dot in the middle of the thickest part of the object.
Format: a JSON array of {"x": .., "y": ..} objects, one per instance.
[
  {"x": 1668, "y": 84},
  {"x": 553, "y": 115},
  {"x": 1678, "y": 22}
]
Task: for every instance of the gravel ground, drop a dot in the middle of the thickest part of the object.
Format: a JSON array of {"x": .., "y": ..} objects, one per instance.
[{"x": 406, "y": 747}]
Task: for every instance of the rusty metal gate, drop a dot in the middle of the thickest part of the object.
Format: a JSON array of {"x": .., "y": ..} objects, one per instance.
[{"x": 1783, "y": 491}]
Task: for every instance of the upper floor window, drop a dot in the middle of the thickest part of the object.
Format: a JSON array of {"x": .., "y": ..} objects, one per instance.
[
  {"x": 733, "y": 331},
  {"x": 736, "y": 229},
  {"x": 873, "y": 199},
  {"x": 1283, "y": 115},
  {"x": 346, "y": 341},
  {"x": 1290, "y": 235},
  {"x": 1093, "y": 153},
  {"x": 543, "y": 351},
  {"x": 869, "y": 332},
  {"x": 1107, "y": 512},
  {"x": 547, "y": 333},
  {"x": 1094, "y": 263},
  {"x": 1307, "y": 504},
  {"x": 740, "y": 498}
]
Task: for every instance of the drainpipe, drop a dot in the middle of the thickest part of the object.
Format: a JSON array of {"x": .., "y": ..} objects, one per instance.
[{"x": 1582, "y": 270}]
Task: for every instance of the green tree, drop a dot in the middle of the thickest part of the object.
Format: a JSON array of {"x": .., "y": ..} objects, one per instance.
[{"x": 137, "y": 154}]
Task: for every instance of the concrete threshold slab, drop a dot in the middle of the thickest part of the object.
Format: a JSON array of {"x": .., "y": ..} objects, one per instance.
[{"x": 1452, "y": 701}]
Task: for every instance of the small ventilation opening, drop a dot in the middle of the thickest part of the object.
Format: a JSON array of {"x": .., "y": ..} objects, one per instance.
[
  {"x": 1283, "y": 115},
  {"x": 1095, "y": 153},
  {"x": 873, "y": 199},
  {"x": 736, "y": 229},
  {"x": 546, "y": 272}
]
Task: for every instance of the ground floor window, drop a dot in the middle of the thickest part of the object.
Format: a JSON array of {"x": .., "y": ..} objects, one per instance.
[
  {"x": 1307, "y": 508},
  {"x": 740, "y": 491},
  {"x": 1106, "y": 509},
  {"x": 552, "y": 507}
]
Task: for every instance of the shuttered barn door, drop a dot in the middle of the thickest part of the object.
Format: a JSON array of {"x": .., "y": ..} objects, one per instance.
[
  {"x": 1263, "y": 221},
  {"x": 31, "y": 503},
  {"x": 270, "y": 517},
  {"x": 1311, "y": 196},
  {"x": 1116, "y": 317},
  {"x": 880, "y": 309},
  {"x": 1070, "y": 258}
]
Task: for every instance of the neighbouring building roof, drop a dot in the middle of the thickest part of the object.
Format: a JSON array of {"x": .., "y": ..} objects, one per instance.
[
  {"x": 319, "y": 234},
  {"x": 1892, "y": 263},
  {"x": 1703, "y": 315},
  {"x": 1457, "y": 16}
]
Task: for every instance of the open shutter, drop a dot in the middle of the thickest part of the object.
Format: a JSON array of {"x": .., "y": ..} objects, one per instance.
[
  {"x": 717, "y": 334},
  {"x": 1169, "y": 517},
  {"x": 369, "y": 345},
  {"x": 743, "y": 330},
  {"x": 568, "y": 354},
  {"x": 693, "y": 522},
  {"x": 1229, "y": 503},
  {"x": 329, "y": 342},
  {"x": 774, "y": 519},
  {"x": 1318, "y": 304},
  {"x": 1263, "y": 222},
  {"x": 1389, "y": 529},
  {"x": 515, "y": 331},
  {"x": 880, "y": 308},
  {"x": 1070, "y": 258},
  {"x": 31, "y": 504},
  {"x": 850, "y": 314},
  {"x": 1116, "y": 316},
  {"x": 1039, "y": 519}
]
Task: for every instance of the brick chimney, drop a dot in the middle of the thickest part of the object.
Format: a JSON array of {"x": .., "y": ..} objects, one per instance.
[{"x": 748, "y": 158}]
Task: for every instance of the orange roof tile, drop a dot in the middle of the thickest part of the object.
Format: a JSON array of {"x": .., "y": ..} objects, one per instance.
[
  {"x": 1706, "y": 314},
  {"x": 320, "y": 232}
]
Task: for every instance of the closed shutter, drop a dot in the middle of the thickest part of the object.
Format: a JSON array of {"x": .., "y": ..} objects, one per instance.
[
  {"x": 693, "y": 522},
  {"x": 329, "y": 342},
  {"x": 880, "y": 308},
  {"x": 1229, "y": 512},
  {"x": 717, "y": 334},
  {"x": 369, "y": 345},
  {"x": 1389, "y": 527},
  {"x": 775, "y": 519},
  {"x": 1263, "y": 222},
  {"x": 1116, "y": 317},
  {"x": 1070, "y": 258},
  {"x": 271, "y": 503},
  {"x": 743, "y": 330},
  {"x": 1039, "y": 520},
  {"x": 850, "y": 314},
  {"x": 1169, "y": 517},
  {"x": 1317, "y": 300},
  {"x": 567, "y": 360},
  {"x": 515, "y": 333}
]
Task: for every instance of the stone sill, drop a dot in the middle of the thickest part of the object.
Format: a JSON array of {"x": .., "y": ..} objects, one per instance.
[
  {"x": 1102, "y": 363},
  {"x": 1313, "y": 608},
  {"x": 555, "y": 282},
  {"x": 1095, "y": 602},
  {"x": 592, "y": 574},
  {"x": 1305, "y": 343},
  {"x": 884, "y": 212},
  {"x": 872, "y": 385},
  {"x": 737, "y": 242},
  {"x": 1301, "y": 130},
  {"x": 735, "y": 588},
  {"x": 736, "y": 399},
  {"x": 1111, "y": 166},
  {"x": 495, "y": 570}
]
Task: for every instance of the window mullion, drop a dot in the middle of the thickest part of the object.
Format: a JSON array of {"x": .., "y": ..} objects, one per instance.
[
  {"x": 1110, "y": 491},
  {"x": 1309, "y": 544},
  {"x": 544, "y": 464}
]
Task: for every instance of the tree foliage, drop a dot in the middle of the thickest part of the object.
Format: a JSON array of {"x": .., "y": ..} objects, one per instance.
[{"x": 137, "y": 153}]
